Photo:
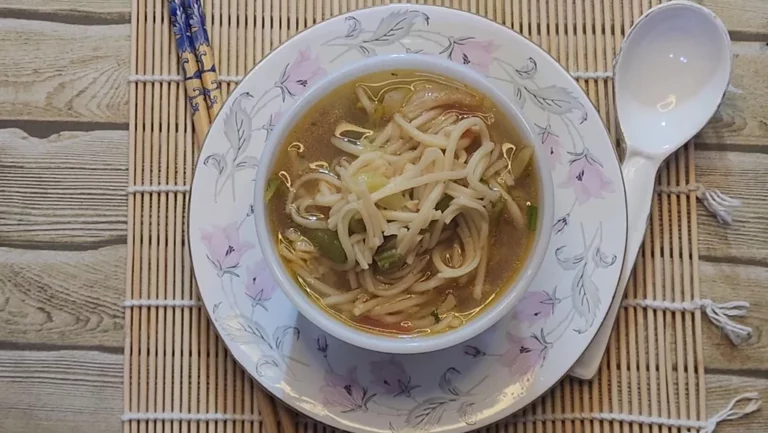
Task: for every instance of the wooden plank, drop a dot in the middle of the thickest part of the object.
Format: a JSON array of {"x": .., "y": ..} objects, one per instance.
[
  {"x": 67, "y": 190},
  {"x": 55, "y": 298},
  {"x": 742, "y": 176},
  {"x": 60, "y": 391},
  {"x": 69, "y": 6},
  {"x": 721, "y": 389},
  {"x": 745, "y": 19},
  {"x": 724, "y": 282},
  {"x": 68, "y": 72},
  {"x": 88, "y": 12},
  {"x": 742, "y": 119}
]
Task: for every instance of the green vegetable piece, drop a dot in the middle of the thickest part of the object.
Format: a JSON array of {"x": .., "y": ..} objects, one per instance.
[
  {"x": 387, "y": 257},
  {"x": 533, "y": 216},
  {"x": 444, "y": 203},
  {"x": 436, "y": 316},
  {"x": 357, "y": 225},
  {"x": 328, "y": 243},
  {"x": 393, "y": 202},
  {"x": 389, "y": 260},
  {"x": 372, "y": 181},
  {"x": 272, "y": 186}
]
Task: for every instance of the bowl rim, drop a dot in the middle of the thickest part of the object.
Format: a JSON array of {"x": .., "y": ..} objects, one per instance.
[{"x": 394, "y": 344}]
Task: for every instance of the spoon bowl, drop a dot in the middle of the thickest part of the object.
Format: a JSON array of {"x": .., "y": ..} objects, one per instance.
[{"x": 670, "y": 76}]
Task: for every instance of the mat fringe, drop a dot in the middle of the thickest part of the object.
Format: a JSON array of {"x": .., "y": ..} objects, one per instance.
[
  {"x": 717, "y": 203},
  {"x": 752, "y": 401},
  {"x": 719, "y": 314}
]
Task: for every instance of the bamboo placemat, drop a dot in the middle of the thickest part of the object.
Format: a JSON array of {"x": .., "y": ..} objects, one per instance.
[{"x": 176, "y": 367}]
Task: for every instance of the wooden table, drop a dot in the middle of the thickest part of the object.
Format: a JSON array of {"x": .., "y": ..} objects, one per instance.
[{"x": 63, "y": 173}]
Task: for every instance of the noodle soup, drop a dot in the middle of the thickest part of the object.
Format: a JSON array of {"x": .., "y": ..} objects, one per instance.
[{"x": 403, "y": 203}]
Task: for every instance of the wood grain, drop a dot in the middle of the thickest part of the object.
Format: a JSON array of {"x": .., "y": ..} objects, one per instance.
[
  {"x": 730, "y": 282},
  {"x": 721, "y": 389},
  {"x": 745, "y": 19},
  {"x": 743, "y": 176},
  {"x": 60, "y": 392},
  {"x": 741, "y": 122},
  {"x": 69, "y": 6},
  {"x": 89, "y": 12},
  {"x": 67, "y": 190},
  {"x": 55, "y": 298},
  {"x": 68, "y": 72}
]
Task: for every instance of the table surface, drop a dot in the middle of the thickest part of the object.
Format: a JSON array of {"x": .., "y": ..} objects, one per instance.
[{"x": 63, "y": 173}]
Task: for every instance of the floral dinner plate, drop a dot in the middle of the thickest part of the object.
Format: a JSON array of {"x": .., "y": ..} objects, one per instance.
[{"x": 457, "y": 389}]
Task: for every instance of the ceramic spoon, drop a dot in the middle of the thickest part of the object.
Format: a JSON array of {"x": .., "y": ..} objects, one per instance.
[{"x": 670, "y": 76}]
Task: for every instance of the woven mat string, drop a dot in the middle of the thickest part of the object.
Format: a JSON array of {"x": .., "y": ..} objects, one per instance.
[
  {"x": 718, "y": 314},
  {"x": 717, "y": 203},
  {"x": 579, "y": 75},
  {"x": 751, "y": 400},
  {"x": 179, "y": 416}
]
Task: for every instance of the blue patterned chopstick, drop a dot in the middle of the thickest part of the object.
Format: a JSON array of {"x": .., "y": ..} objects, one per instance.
[
  {"x": 189, "y": 68},
  {"x": 205, "y": 58}
]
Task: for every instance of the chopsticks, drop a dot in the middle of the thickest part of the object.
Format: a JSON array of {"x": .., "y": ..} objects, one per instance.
[
  {"x": 201, "y": 80},
  {"x": 196, "y": 93}
]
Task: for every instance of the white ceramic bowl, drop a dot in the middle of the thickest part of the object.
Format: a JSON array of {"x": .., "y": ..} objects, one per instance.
[{"x": 398, "y": 344}]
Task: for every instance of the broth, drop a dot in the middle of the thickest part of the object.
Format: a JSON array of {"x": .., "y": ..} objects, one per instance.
[{"x": 369, "y": 260}]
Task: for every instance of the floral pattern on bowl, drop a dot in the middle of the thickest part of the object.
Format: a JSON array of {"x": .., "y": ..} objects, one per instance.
[{"x": 457, "y": 389}]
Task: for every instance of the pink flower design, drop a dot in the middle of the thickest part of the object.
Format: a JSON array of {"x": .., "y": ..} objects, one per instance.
[
  {"x": 300, "y": 74},
  {"x": 551, "y": 143},
  {"x": 586, "y": 177},
  {"x": 225, "y": 249},
  {"x": 345, "y": 392},
  {"x": 524, "y": 355},
  {"x": 467, "y": 50},
  {"x": 535, "y": 306},
  {"x": 259, "y": 284},
  {"x": 390, "y": 377}
]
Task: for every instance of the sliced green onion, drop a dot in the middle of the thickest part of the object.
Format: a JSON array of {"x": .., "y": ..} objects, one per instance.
[
  {"x": 387, "y": 257},
  {"x": 388, "y": 260},
  {"x": 533, "y": 216}
]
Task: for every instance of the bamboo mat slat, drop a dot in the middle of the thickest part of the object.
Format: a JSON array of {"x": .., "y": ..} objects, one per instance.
[{"x": 175, "y": 362}]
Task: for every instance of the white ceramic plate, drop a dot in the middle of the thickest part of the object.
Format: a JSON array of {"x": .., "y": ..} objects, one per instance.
[{"x": 457, "y": 389}]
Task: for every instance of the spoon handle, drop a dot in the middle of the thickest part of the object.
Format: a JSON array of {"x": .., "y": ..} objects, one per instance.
[{"x": 639, "y": 179}]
